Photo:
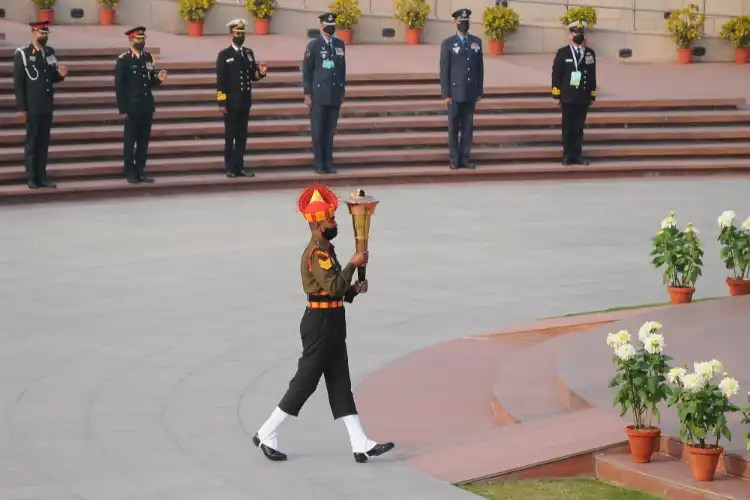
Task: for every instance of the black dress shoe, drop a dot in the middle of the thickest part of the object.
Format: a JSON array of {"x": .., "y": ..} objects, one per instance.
[
  {"x": 454, "y": 166},
  {"x": 231, "y": 175},
  {"x": 245, "y": 173},
  {"x": 320, "y": 170},
  {"x": 469, "y": 166},
  {"x": 330, "y": 170},
  {"x": 270, "y": 453},
  {"x": 33, "y": 185},
  {"x": 375, "y": 451},
  {"x": 48, "y": 184},
  {"x": 132, "y": 180},
  {"x": 566, "y": 161},
  {"x": 581, "y": 161},
  {"x": 143, "y": 178}
]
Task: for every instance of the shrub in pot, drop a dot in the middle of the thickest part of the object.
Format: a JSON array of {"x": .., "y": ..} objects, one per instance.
[
  {"x": 681, "y": 256},
  {"x": 194, "y": 12},
  {"x": 347, "y": 15},
  {"x": 107, "y": 10},
  {"x": 686, "y": 26},
  {"x": 413, "y": 13},
  {"x": 45, "y": 10},
  {"x": 262, "y": 11},
  {"x": 499, "y": 21},
  {"x": 735, "y": 252},
  {"x": 737, "y": 32}
]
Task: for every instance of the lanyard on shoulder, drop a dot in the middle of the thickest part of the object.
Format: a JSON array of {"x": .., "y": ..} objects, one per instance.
[{"x": 577, "y": 62}]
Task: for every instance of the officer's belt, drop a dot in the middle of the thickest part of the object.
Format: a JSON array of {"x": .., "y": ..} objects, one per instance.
[{"x": 315, "y": 301}]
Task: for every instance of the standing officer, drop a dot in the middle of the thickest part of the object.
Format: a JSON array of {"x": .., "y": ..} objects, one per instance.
[
  {"x": 461, "y": 86},
  {"x": 135, "y": 76},
  {"x": 235, "y": 70},
  {"x": 35, "y": 70},
  {"x": 323, "y": 330},
  {"x": 574, "y": 86},
  {"x": 324, "y": 81}
]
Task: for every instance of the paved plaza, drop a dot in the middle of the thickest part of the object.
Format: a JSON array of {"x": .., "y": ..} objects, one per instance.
[{"x": 145, "y": 340}]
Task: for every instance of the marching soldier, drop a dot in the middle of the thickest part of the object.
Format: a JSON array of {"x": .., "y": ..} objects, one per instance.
[
  {"x": 135, "y": 76},
  {"x": 236, "y": 69},
  {"x": 461, "y": 86},
  {"x": 574, "y": 86},
  {"x": 35, "y": 71},
  {"x": 323, "y": 330},
  {"x": 324, "y": 81}
]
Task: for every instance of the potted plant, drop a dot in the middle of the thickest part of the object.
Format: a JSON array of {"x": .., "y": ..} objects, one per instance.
[
  {"x": 702, "y": 406},
  {"x": 499, "y": 21},
  {"x": 746, "y": 420},
  {"x": 107, "y": 9},
  {"x": 680, "y": 253},
  {"x": 686, "y": 26},
  {"x": 413, "y": 13},
  {"x": 45, "y": 10},
  {"x": 347, "y": 14},
  {"x": 194, "y": 12},
  {"x": 737, "y": 32},
  {"x": 583, "y": 13},
  {"x": 735, "y": 251},
  {"x": 262, "y": 10},
  {"x": 640, "y": 379}
]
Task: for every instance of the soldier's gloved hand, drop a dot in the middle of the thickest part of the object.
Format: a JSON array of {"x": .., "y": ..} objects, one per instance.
[{"x": 308, "y": 101}]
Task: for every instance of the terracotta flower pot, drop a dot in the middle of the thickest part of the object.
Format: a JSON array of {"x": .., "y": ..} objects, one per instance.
[
  {"x": 106, "y": 16},
  {"x": 346, "y": 36},
  {"x": 262, "y": 26},
  {"x": 684, "y": 56},
  {"x": 738, "y": 287},
  {"x": 680, "y": 295},
  {"x": 195, "y": 28},
  {"x": 642, "y": 443},
  {"x": 704, "y": 462},
  {"x": 413, "y": 36},
  {"x": 497, "y": 47},
  {"x": 741, "y": 55},
  {"x": 46, "y": 15}
]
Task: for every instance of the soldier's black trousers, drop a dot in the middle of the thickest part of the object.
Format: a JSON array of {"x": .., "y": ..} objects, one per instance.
[
  {"x": 573, "y": 121},
  {"x": 323, "y": 354},
  {"x": 323, "y": 121},
  {"x": 135, "y": 143},
  {"x": 235, "y": 138},
  {"x": 36, "y": 146},
  {"x": 460, "y": 122}
]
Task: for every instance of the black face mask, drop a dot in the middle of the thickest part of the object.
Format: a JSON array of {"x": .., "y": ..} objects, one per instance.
[
  {"x": 329, "y": 30},
  {"x": 238, "y": 40},
  {"x": 463, "y": 26},
  {"x": 42, "y": 41},
  {"x": 330, "y": 233},
  {"x": 578, "y": 38},
  {"x": 139, "y": 45}
]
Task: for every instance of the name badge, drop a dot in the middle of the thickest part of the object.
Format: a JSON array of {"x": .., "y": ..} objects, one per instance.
[
  {"x": 339, "y": 51},
  {"x": 575, "y": 79},
  {"x": 328, "y": 64},
  {"x": 231, "y": 59}
]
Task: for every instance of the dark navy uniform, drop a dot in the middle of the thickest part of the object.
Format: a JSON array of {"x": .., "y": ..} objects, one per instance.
[
  {"x": 324, "y": 81},
  {"x": 236, "y": 69},
  {"x": 35, "y": 70},
  {"x": 461, "y": 80},
  {"x": 574, "y": 85},
  {"x": 135, "y": 76}
]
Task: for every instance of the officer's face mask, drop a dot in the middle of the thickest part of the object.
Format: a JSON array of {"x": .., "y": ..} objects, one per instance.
[
  {"x": 329, "y": 30},
  {"x": 42, "y": 40},
  {"x": 330, "y": 233},
  {"x": 139, "y": 45},
  {"x": 238, "y": 40},
  {"x": 463, "y": 26},
  {"x": 578, "y": 38}
]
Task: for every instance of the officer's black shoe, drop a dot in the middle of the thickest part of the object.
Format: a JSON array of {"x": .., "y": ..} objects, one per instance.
[
  {"x": 270, "y": 453},
  {"x": 581, "y": 161},
  {"x": 133, "y": 181},
  {"x": 469, "y": 166},
  {"x": 48, "y": 184},
  {"x": 454, "y": 166},
  {"x": 566, "y": 161},
  {"x": 143, "y": 178},
  {"x": 320, "y": 170},
  {"x": 330, "y": 170},
  {"x": 231, "y": 175},
  {"x": 375, "y": 451},
  {"x": 34, "y": 185},
  {"x": 245, "y": 173}
]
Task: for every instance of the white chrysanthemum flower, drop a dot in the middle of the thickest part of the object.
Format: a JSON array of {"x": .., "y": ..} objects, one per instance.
[
  {"x": 746, "y": 224},
  {"x": 729, "y": 387},
  {"x": 693, "y": 382},
  {"x": 716, "y": 366},
  {"x": 648, "y": 327},
  {"x": 668, "y": 222},
  {"x": 726, "y": 219},
  {"x": 612, "y": 340},
  {"x": 691, "y": 228},
  {"x": 654, "y": 343},
  {"x": 676, "y": 375},
  {"x": 704, "y": 370},
  {"x": 625, "y": 352}
]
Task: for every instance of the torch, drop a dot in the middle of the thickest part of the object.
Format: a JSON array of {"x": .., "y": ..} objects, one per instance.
[{"x": 361, "y": 208}]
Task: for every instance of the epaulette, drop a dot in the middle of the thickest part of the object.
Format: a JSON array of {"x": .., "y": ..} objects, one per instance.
[
  {"x": 21, "y": 49},
  {"x": 123, "y": 55}
]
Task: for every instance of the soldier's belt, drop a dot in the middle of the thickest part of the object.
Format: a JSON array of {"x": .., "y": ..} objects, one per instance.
[{"x": 325, "y": 305}]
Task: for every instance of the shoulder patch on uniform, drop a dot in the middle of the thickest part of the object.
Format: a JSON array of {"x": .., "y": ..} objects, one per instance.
[
  {"x": 123, "y": 54},
  {"x": 325, "y": 263},
  {"x": 307, "y": 53}
]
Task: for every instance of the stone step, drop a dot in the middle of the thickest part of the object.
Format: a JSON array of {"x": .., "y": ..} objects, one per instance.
[
  {"x": 483, "y": 122},
  {"x": 85, "y": 54},
  {"x": 172, "y": 183},
  {"x": 669, "y": 478}
]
